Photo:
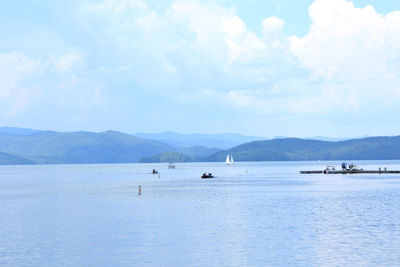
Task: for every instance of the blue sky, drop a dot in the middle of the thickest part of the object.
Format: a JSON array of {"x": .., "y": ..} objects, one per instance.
[{"x": 257, "y": 67}]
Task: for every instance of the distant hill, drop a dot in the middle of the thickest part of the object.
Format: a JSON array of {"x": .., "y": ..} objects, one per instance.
[
  {"x": 27, "y": 146},
  {"x": 166, "y": 157},
  {"x": 7, "y": 159},
  {"x": 220, "y": 141},
  {"x": 323, "y": 138},
  {"x": 333, "y": 139},
  {"x": 49, "y": 147},
  {"x": 189, "y": 154},
  {"x": 17, "y": 131},
  {"x": 197, "y": 151},
  {"x": 371, "y": 148}
]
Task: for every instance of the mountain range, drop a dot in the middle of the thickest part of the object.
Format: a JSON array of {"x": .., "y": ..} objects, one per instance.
[
  {"x": 27, "y": 146},
  {"x": 370, "y": 148},
  {"x": 18, "y": 131},
  {"x": 219, "y": 141},
  {"x": 47, "y": 147}
]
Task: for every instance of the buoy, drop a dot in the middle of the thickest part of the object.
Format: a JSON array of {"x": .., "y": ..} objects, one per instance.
[{"x": 140, "y": 190}]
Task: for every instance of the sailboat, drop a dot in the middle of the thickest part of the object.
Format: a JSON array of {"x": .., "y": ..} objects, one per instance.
[{"x": 229, "y": 160}]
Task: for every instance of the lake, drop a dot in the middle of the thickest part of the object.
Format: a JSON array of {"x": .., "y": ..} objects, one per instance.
[{"x": 250, "y": 214}]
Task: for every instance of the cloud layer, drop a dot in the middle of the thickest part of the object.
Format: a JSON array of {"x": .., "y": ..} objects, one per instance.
[{"x": 202, "y": 55}]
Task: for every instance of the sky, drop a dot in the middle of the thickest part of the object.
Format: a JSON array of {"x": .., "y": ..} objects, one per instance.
[{"x": 258, "y": 67}]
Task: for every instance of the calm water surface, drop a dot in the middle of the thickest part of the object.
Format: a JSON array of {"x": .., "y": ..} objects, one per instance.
[{"x": 251, "y": 214}]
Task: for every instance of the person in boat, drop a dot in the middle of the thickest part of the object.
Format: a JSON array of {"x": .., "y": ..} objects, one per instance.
[
  {"x": 154, "y": 171},
  {"x": 207, "y": 175}
]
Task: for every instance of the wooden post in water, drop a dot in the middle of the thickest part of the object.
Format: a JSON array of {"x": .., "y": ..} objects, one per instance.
[{"x": 140, "y": 190}]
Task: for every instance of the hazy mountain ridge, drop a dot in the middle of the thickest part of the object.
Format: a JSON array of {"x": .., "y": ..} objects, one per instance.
[
  {"x": 371, "y": 148},
  {"x": 80, "y": 147},
  {"x": 49, "y": 147},
  {"x": 219, "y": 141},
  {"x": 167, "y": 157},
  {"x": 197, "y": 151},
  {"x": 8, "y": 159},
  {"x": 18, "y": 131}
]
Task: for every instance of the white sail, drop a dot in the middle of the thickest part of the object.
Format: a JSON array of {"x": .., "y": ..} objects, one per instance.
[{"x": 229, "y": 160}]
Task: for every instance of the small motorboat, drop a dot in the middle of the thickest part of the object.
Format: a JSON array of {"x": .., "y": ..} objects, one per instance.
[
  {"x": 171, "y": 165},
  {"x": 154, "y": 171},
  {"x": 207, "y": 175}
]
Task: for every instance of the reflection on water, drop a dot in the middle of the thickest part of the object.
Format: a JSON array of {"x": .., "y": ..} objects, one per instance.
[{"x": 254, "y": 214}]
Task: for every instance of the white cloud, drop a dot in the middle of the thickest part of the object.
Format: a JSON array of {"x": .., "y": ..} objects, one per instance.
[
  {"x": 119, "y": 6},
  {"x": 25, "y": 81},
  {"x": 215, "y": 32},
  {"x": 248, "y": 99},
  {"x": 16, "y": 62},
  {"x": 15, "y": 67},
  {"x": 64, "y": 63},
  {"x": 345, "y": 41},
  {"x": 242, "y": 44},
  {"x": 355, "y": 50},
  {"x": 191, "y": 32},
  {"x": 262, "y": 102},
  {"x": 272, "y": 24},
  {"x": 122, "y": 5}
]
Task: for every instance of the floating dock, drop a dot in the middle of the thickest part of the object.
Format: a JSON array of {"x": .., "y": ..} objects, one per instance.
[{"x": 349, "y": 172}]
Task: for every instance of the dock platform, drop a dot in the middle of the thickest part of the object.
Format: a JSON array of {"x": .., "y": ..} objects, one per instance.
[{"x": 350, "y": 172}]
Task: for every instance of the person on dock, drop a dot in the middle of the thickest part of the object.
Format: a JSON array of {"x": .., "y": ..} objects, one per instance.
[{"x": 344, "y": 165}]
